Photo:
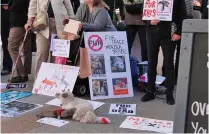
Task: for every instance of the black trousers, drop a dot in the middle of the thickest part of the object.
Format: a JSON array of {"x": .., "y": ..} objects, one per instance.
[
  {"x": 7, "y": 61},
  {"x": 154, "y": 41},
  {"x": 176, "y": 47},
  {"x": 131, "y": 34}
]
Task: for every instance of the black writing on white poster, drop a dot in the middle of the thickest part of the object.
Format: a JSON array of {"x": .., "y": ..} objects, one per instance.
[{"x": 123, "y": 109}]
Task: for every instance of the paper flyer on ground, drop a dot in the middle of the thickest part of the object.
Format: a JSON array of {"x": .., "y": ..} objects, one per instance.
[
  {"x": 123, "y": 109},
  {"x": 147, "y": 124},
  {"x": 55, "y": 78},
  {"x": 53, "y": 121},
  {"x": 56, "y": 102},
  {"x": 17, "y": 108},
  {"x": 13, "y": 95},
  {"x": 110, "y": 65},
  {"x": 13, "y": 85},
  {"x": 158, "y": 10}
]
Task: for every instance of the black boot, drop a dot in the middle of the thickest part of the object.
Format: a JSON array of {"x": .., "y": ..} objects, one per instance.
[
  {"x": 148, "y": 96},
  {"x": 170, "y": 99}
]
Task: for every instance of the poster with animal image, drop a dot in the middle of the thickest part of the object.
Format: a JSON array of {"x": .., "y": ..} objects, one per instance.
[
  {"x": 153, "y": 125},
  {"x": 110, "y": 65},
  {"x": 55, "y": 78},
  {"x": 158, "y": 9}
]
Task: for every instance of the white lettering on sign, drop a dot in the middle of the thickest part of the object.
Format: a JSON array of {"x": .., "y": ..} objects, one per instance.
[
  {"x": 198, "y": 129},
  {"x": 199, "y": 108}
]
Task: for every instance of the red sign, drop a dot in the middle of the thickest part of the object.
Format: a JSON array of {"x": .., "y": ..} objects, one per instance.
[{"x": 95, "y": 43}]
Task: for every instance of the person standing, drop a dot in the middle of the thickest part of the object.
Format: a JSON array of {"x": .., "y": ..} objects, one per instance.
[
  {"x": 7, "y": 61},
  {"x": 18, "y": 17},
  {"x": 57, "y": 10},
  {"x": 133, "y": 20},
  {"x": 159, "y": 34}
]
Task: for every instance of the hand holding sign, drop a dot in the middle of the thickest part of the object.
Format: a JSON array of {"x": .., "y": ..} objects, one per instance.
[{"x": 154, "y": 22}]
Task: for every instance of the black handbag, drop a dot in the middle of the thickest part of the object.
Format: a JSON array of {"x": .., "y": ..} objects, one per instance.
[{"x": 134, "y": 8}]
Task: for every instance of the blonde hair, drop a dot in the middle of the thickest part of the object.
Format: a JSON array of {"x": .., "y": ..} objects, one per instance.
[{"x": 101, "y": 3}]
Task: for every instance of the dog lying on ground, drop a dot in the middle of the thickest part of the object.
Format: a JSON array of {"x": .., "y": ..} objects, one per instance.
[{"x": 82, "y": 110}]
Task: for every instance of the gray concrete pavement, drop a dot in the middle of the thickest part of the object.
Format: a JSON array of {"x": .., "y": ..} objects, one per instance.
[{"x": 156, "y": 109}]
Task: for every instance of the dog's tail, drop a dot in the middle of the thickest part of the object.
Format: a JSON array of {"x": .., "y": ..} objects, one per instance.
[{"x": 103, "y": 120}]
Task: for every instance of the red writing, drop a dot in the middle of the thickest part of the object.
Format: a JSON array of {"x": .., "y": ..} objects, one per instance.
[
  {"x": 149, "y": 13},
  {"x": 136, "y": 120},
  {"x": 149, "y": 4}
]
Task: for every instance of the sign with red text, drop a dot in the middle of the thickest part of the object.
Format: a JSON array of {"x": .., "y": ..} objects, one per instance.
[
  {"x": 55, "y": 78},
  {"x": 110, "y": 66},
  {"x": 158, "y": 10},
  {"x": 147, "y": 124}
]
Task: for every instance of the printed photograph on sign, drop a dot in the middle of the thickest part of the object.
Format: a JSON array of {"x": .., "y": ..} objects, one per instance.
[
  {"x": 118, "y": 64},
  {"x": 98, "y": 65},
  {"x": 99, "y": 87},
  {"x": 120, "y": 86},
  {"x": 164, "y": 6},
  {"x": 16, "y": 108}
]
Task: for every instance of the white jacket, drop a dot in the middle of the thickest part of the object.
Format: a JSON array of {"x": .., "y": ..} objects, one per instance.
[{"x": 61, "y": 8}]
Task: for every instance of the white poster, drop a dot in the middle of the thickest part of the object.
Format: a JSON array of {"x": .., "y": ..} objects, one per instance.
[
  {"x": 55, "y": 78},
  {"x": 159, "y": 79},
  {"x": 56, "y": 102},
  {"x": 123, "y": 109},
  {"x": 13, "y": 85},
  {"x": 61, "y": 48},
  {"x": 158, "y": 10},
  {"x": 147, "y": 124},
  {"x": 53, "y": 121},
  {"x": 110, "y": 66}
]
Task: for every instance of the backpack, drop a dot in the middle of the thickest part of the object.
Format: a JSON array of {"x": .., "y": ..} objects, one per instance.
[{"x": 134, "y": 7}]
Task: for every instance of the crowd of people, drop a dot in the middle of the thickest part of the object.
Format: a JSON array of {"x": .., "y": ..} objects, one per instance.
[{"x": 96, "y": 15}]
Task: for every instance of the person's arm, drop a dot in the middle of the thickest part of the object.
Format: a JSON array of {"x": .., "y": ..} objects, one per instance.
[
  {"x": 99, "y": 22},
  {"x": 79, "y": 12},
  {"x": 181, "y": 14},
  {"x": 68, "y": 6},
  {"x": 32, "y": 10}
]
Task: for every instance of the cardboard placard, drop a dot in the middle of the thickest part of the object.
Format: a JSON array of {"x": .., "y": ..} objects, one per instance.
[
  {"x": 158, "y": 10},
  {"x": 110, "y": 65},
  {"x": 55, "y": 78}
]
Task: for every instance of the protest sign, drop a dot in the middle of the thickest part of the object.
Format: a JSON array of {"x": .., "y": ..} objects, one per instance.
[
  {"x": 158, "y": 10},
  {"x": 110, "y": 65},
  {"x": 55, "y": 78},
  {"x": 13, "y": 95},
  {"x": 147, "y": 124},
  {"x": 159, "y": 79},
  {"x": 123, "y": 109},
  {"x": 53, "y": 121},
  {"x": 61, "y": 48},
  {"x": 13, "y": 85},
  {"x": 17, "y": 108}
]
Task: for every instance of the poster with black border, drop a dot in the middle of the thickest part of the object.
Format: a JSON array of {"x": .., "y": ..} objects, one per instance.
[{"x": 110, "y": 65}]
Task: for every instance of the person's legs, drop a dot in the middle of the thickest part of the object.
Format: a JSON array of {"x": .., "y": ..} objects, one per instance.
[
  {"x": 153, "y": 50},
  {"x": 178, "y": 46},
  {"x": 131, "y": 34},
  {"x": 143, "y": 42},
  {"x": 168, "y": 55},
  {"x": 14, "y": 42},
  {"x": 42, "y": 54}
]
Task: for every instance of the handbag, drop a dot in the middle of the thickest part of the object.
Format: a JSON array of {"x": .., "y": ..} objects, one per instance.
[
  {"x": 135, "y": 8},
  {"x": 41, "y": 19}
]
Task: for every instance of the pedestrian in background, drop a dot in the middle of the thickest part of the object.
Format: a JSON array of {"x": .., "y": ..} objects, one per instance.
[
  {"x": 57, "y": 10},
  {"x": 18, "y": 17},
  {"x": 7, "y": 61},
  {"x": 159, "y": 34},
  {"x": 135, "y": 25}
]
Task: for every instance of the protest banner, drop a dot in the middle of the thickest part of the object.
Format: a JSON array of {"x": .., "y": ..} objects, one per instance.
[
  {"x": 13, "y": 85},
  {"x": 55, "y": 78},
  {"x": 123, "y": 109},
  {"x": 110, "y": 65},
  {"x": 61, "y": 48},
  {"x": 147, "y": 124},
  {"x": 158, "y": 10}
]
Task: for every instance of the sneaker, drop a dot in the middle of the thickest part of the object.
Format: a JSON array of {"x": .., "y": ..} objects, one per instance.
[
  {"x": 148, "y": 96},
  {"x": 18, "y": 79},
  {"x": 5, "y": 72},
  {"x": 170, "y": 99}
]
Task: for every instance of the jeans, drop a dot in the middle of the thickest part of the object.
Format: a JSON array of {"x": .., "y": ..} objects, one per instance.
[
  {"x": 131, "y": 34},
  {"x": 154, "y": 41}
]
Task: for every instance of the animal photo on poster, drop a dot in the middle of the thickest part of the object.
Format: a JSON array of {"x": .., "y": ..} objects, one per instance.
[
  {"x": 164, "y": 6},
  {"x": 98, "y": 65},
  {"x": 118, "y": 64},
  {"x": 120, "y": 86},
  {"x": 100, "y": 87}
]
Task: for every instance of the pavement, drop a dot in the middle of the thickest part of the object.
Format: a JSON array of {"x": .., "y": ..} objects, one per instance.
[{"x": 156, "y": 109}]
